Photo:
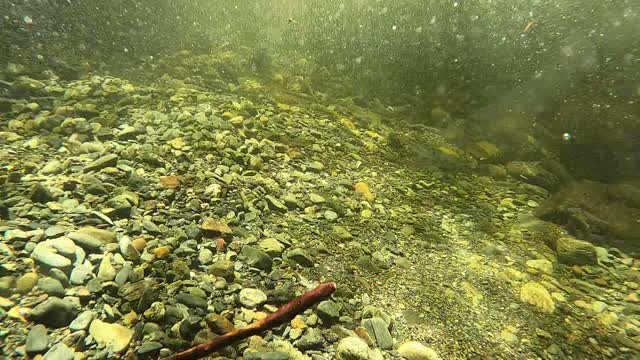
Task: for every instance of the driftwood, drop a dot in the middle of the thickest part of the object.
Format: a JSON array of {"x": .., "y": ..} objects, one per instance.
[{"x": 286, "y": 313}]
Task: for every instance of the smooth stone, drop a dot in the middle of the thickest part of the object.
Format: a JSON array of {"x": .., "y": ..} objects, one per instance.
[
  {"x": 109, "y": 160},
  {"x": 219, "y": 324},
  {"x": 82, "y": 321},
  {"x": 191, "y": 300},
  {"x": 53, "y": 312},
  {"x": 252, "y": 298},
  {"x": 26, "y": 282},
  {"x": 354, "y": 348},
  {"x": 37, "y": 340},
  {"x": 51, "y": 286},
  {"x": 60, "y": 276},
  {"x": 41, "y": 194},
  {"x": 114, "y": 337},
  {"x": 52, "y": 167},
  {"x": 64, "y": 246},
  {"x": 413, "y": 350},
  {"x": 123, "y": 275},
  {"x": 54, "y": 231},
  {"x": 149, "y": 347},
  {"x": 266, "y": 355},
  {"x": 92, "y": 238},
  {"x": 312, "y": 340},
  {"x": 46, "y": 255},
  {"x": 59, "y": 351}
]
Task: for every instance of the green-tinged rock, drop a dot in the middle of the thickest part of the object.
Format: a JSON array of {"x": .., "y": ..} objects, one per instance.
[
  {"x": 53, "y": 312},
  {"x": 257, "y": 258},
  {"x": 109, "y": 160},
  {"x": 301, "y": 257},
  {"x": 46, "y": 255},
  {"x": 572, "y": 251},
  {"x": 37, "y": 340},
  {"x": 222, "y": 268},
  {"x": 328, "y": 311},
  {"x": 92, "y": 238},
  {"x": 271, "y": 246}
]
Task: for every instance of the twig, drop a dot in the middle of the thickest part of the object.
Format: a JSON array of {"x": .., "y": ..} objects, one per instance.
[{"x": 283, "y": 315}]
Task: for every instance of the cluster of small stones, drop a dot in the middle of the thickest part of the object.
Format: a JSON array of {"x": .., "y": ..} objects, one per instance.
[{"x": 138, "y": 220}]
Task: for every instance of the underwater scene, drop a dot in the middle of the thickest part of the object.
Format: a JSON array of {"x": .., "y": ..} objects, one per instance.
[{"x": 318, "y": 180}]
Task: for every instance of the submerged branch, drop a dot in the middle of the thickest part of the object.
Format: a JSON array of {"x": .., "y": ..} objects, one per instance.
[{"x": 283, "y": 315}]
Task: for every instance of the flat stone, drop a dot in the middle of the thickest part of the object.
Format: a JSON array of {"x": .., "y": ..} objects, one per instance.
[
  {"x": 312, "y": 340},
  {"x": 413, "y": 350},
  {"x": 219, "y": 324},
  {"x": 37, "y": 340},
  {"x": 54, "y": 231},
  {"x": 109, "y": 160},
  {"x": 378, "y": 329},
  {"x": 149, "y": 347},
  {"x": 82, "y": 321},
  {"x": 64, "y": 246},
  {"x": 52, "y": 167},
  {"x": 127, "y": 249},
  {"x": 53, "y": 312},
  {"x": 51, "y": 286},
  {"x": 46, "y": 255},
  {"x": 191, "y": 300},
  {"x": 354, "y": 348},
  {"x": 114, "y": 337},
  {"x": 106, "y": 271},
  {"x": 92, "y": 238},
  {"x": 252, "y": 298},
  {"x": 301, "y": 257},
  {"x": 59, "y": 351},
  {"x": 257, "y": 258},
  {"x": 222, "y": 268}
]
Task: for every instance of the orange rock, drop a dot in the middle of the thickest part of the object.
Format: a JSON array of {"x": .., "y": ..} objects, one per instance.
[
  {"x": 139, "y": 243},
  {"x": 170, "y": 182},
  {"x": 221, "y": 245}
]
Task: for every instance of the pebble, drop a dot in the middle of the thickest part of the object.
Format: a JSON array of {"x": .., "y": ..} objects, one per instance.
[
  {"x": 81, "y": 273},
  {"x": 378, "y": 329},
  {"x": 413, "y": 350},
  {"x": 59, "y": 351},
  {"x": 113, "y": 336},
  {"x": 37, "y": 340},
  {"x": 46, "y": 255},
  {"x": 536, "y": 294},
  {"x": 191, "y": 300},
  {"x": 271, "y": 246},
  {"x": 205, "y": 256},
  {"x": 257, "y": 258},
  {"x": 354, "y": 348},
  {"x": 301, "y": 257},
  {"x": 26, "y": 282},
  {"x": 82, "y": 321},
  {"x": 51, "y": 286},
  {"x": 328, "y": 311},
  {"x": 52, "y": 167},
  {"x": 53, "y": 312},
  {"x": 109, "y": 160},
  {"x": 92, "y": 238},
  {"x": 252, "y": 298}
]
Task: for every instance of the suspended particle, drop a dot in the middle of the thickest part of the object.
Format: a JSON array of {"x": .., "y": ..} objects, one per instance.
[
  {"x": 567, "y": 136},
  {"x": 27, "y": 20}
]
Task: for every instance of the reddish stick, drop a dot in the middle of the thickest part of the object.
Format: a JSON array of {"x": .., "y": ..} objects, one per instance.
[{"x": 283, "y": 315}]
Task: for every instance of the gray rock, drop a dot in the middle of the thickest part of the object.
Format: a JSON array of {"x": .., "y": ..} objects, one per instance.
[
  {"x": 191, "y": 300},
  {"x": 59, "y": 351},
  {"x": 301, "y": 257},
  {"x": 257, "y": 258},
  {"x": 378, "y": 330},
  {"x": 312, "y": 340},
  {"x": 51, "y": 286},
  {"x": 60, "y": 276},
  {"x": 109, "y": 160},
  {"x": 46, "y": 255},
  {"x": 53, "y": 312},
  {"x": 37, "y": 340},
  {"x": 266, "y": 355},
  {"x": 252, "y": 298},
  {"x": 41, "y": 194},
  {"x": 82, "y": 321},
  {"x": 354, "y": 348},
  {"x": 64, "y": 246},
  {"x": 328, "y": 311},
  {"x": 81, "y": 273},
  {"x": 149, "y": 348},
  {"x": 123, "y": 275},
  {"x": 120, "y": 205}
]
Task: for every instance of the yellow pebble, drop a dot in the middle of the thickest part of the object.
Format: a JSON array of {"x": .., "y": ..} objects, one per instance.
[
  {"x": 298, "y": 323},
  {"x": 161, "y": 252},
  {"x": 363, "y": 189}
]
